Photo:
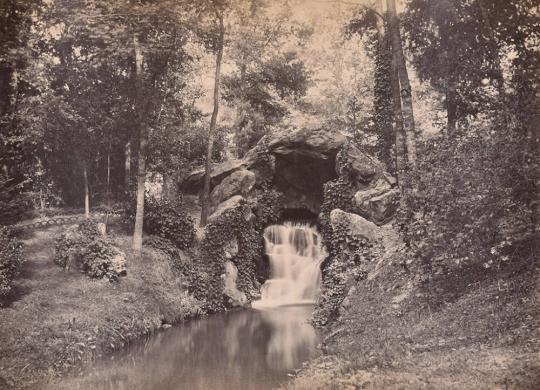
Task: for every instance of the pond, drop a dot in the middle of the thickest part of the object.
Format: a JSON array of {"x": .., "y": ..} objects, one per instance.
[{"x": 248, "y": 349}]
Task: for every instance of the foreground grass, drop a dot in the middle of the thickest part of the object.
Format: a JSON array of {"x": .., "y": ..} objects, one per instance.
[
  {"x": 398, "y": 334},
  {"x": 57, "y": 321}
]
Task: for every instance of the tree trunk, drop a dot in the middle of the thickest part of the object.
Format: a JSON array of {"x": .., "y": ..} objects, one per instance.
[
  {"x": 108, "y": 184},
  {"x": 143, "y": 140},
  {"x": 401, "y": 149},
  {"x": 127, "y": 166},
  {"x": 451, "y": 108},
  {"x": 405, "y": 86},
  {"x": 211, "y": 134},
  {"x": 86, "y": 194},
  {"x": 382, "y": 91},
  {"x": 167, "y": 190}
]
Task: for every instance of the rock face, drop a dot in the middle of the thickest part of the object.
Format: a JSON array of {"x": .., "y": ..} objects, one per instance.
[
  {"x": 235, "y": 297},
  {"x": 297, "y": 162},
  {"x": 239, "y": 182},
  {"x": 362, "y": 167},
  {"x": 308, "y": 141},
  {"x": 231, "y": 249},
  {"x": 379, "y": 201},
  {"x": 229, "y": 204},
  {"x": 195, "y": 180},
  {"x": 356, "y": 225}
]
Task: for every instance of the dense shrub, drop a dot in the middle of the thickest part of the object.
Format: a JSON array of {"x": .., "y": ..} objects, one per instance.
[
  {"x": 14, "y": 205},
  {"x": 165, "y": 218},
  {"x": 11, "y": 259},
  {"x": 86, "y": 248},
  {"x": 471, "y": 211}
]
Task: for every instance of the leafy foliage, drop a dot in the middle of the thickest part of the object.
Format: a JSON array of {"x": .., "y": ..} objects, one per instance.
[
  {"x": 166, "y": 219},
  {"x": 233, "y": 224},
  {"x": 13, "y": 204},
  {"x": 182, "y": 264},
  {"x": 11, "y": 259},
  {"x": 336, "y": 267},
  {"x": 86, "y": 248},
  {"x": 471, "y": 214}
]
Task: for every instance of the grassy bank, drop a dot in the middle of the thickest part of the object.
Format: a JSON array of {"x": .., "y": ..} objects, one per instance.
[
  {"x": 396, "y": 333},
  {"x": 58, "y": 321}
]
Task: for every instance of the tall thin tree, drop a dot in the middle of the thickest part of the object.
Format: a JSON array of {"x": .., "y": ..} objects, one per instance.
[
  {"x": 213, "y": 120},
  {"x": 404, "y": 83}
]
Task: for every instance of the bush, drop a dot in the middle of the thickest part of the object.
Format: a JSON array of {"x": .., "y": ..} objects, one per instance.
[
  {"x": 86, "y": 248},
  {"x": 166, "y": 219},
  {"x": 11, "y": 259},
  {"x": 470, "y": 213},
  {"x": 14, "y": 205}
]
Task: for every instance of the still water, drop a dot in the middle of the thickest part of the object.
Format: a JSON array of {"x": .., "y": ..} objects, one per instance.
[{"x": 249, "y": 349}]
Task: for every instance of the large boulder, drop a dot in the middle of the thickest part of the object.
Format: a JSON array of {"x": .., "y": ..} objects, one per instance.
[
  {"x": 239, "y": 182},
  {"x": 310, "y": 141},
  {"x": 359, "y": 166},
  {"x": 297, "y": 161},
  {"x": 354, "y": 225},
  {"x": 235, "y": 297},
  {"x": 379, "y": 201},
  {"x": 194, "y": 182},
  {"x": 229, "y": 204},
  {"x": 382, "y": 208},
  {"x": 231, "y": 248}
]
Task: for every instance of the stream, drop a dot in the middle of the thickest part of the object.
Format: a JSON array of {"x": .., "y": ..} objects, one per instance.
[{"x": 247, "y": 349}]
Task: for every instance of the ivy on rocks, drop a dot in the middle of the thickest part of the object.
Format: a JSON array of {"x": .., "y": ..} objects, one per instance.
[{"x": 346, "y": 252}]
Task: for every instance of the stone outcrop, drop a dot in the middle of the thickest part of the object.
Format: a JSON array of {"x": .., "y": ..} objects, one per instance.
[
  {"x": 235, "y": 297},
  {"x": 194, "y": 182},
  {"x": 297, "y": 162},
  {"x": 379, "y": 201},
  {"x": 360, "y": 167},
  {"x": 239, "y": 182},
  {"x": 229, "y": 204},
  {"x": 357, "y": 226}
]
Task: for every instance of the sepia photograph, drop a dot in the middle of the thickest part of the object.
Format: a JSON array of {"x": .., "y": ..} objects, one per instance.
[{"x": 269, "y": 194}]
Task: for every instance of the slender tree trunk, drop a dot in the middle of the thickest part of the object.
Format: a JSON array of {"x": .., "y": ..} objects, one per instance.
[
  {"x": 108, "y": 184},
  {"x": 143, "y": 140},
  {"x": 382, "y": 91},
  {"x": 86, "y": 194},
  {"x": 167, "y": 190},
  {"x": 405, "y": 86},
  {"x": 451, "y": 108},
  {"x": 401, "y": 148},
  {"x": 127, "y": 166},
  {"x": 211, "y": 134}
]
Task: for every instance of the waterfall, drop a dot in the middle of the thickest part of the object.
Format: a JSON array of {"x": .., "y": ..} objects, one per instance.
[{"x": 295, "y": 252}]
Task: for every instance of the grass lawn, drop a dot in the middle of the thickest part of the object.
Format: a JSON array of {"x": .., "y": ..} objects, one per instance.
[{"x": 58, "y": 321}]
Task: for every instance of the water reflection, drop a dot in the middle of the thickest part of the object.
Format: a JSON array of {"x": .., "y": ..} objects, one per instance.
[{"x": 242, "y": 350}]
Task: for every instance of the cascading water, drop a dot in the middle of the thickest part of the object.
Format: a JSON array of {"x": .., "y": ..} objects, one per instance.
[{"x": 295, "y": 252}]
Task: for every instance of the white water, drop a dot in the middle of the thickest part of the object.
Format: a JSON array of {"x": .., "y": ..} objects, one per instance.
[{"x": 295, "y": 252}]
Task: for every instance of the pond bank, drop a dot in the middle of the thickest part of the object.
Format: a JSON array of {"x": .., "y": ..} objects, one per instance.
[
  {"x": 58, "y": 321},
  {"x": 395, "y": 332}
]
